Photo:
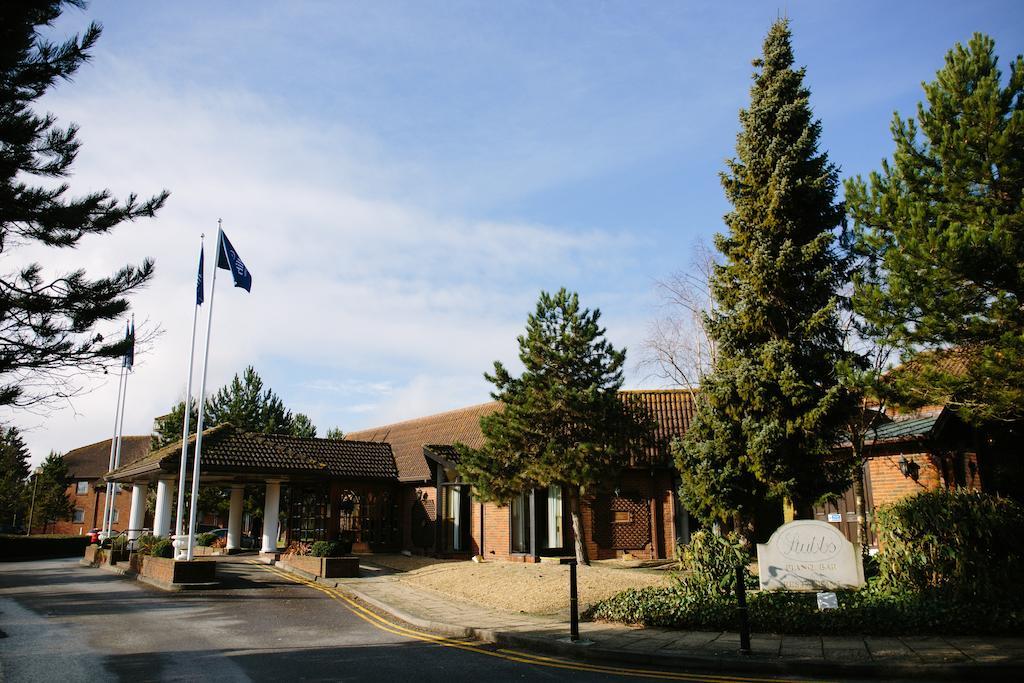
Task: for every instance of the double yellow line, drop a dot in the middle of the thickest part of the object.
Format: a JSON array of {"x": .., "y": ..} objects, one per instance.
[{"x": 383, "y": 624}]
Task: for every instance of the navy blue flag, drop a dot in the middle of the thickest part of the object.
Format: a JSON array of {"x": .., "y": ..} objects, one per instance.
[
  {"x": 199, "y": 279},
  {"x": 227, "y": 258},
  {"x": 129, "y": 336}
]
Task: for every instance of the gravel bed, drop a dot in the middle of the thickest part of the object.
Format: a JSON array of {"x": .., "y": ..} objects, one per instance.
[{"x": 533, "y": 588}]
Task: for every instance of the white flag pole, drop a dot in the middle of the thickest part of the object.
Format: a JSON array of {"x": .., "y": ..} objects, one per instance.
[
  {"x": 120, "y": 430},
  {"x": 202, "y": 405},
  {"x": 113, "y": 449},
  {"x": 179, "y": 523}
]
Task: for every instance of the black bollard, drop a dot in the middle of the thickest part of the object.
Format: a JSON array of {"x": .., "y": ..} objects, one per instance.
[
  {"x": 741, "y": 608},
  {"x": 574, "y": 607}
]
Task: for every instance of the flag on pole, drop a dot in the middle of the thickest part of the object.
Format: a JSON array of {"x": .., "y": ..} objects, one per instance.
[
  {"x": 129, "y": 336},
  {"x": 227, "y": 258},
  {"x": 199, "y": 279}
]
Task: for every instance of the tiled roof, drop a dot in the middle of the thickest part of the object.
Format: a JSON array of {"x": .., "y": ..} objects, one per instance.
[
  {"x": 671, "y": 408},
  {"x": 230, "y": 450},
  {"x": 92, "y": 461},
  {"x": 408, "y": 438},
  {"x": 343, "y": 457},
  {"x": 899, "y": 430}
]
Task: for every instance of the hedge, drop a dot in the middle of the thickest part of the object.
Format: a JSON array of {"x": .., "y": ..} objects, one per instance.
[{"x": 41, "y": 547}]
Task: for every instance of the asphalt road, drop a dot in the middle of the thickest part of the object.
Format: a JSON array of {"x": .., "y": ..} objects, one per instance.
[{"x": 63, "y": 622}]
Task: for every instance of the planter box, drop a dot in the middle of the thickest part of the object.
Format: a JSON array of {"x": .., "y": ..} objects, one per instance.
[
  {"x": 326, "y": 567},
  {"x": 94, "y": 555},
  {"x": 167, "y": 570}
]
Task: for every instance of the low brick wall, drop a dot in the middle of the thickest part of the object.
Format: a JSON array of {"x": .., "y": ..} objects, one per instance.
[
  {"x": 171, "y": 571},
  {"x": 327, "y": 567}
]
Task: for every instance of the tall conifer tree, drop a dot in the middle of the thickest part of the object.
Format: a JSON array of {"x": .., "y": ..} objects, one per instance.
[
  {"x": 942, "y": 227},
  {"x": 564, "y": 422},
  {"x": 772, "y": 409},
  {"x": 50, "y": 323},
  {"x": 14, "y": 470}
]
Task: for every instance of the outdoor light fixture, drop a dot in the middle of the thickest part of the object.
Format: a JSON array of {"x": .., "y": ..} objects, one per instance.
[{"x": 908, "y": 468}]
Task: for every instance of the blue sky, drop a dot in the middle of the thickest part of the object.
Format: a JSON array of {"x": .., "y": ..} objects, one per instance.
[{"x": 403, "y": 178}]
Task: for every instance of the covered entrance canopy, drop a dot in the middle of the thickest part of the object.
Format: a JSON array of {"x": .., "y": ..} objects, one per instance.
[{"x": 336, "y": 487}]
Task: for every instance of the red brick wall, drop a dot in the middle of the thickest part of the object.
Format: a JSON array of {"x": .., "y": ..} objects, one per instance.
[
  {"x": 888, "y": 484},
  {"x": 92, "y": 504},
  {"x": 655, "y": 489}
]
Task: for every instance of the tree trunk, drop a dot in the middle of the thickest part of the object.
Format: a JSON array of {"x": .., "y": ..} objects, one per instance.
[
  {"x": 860, "y": 505},
  {"x": 577, "y": 525}
]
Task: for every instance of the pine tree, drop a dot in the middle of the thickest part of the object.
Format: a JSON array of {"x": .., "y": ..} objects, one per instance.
[
  {"x": 335, "y": 433},
  {"x": 563, "y": 421},
  {"x": 51, "y": 496},
  {"x": 303, "y": 426},
  {"x": 245, "y": 404},
  {"x": 14, "y": 471},
  {"x": 772, "y": 409},
  {"x": 49, "y": 323},
  {"x": 942, "y": 226}
]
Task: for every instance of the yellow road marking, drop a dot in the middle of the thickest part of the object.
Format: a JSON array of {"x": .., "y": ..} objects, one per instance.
[{"x": 510, "y": 655}]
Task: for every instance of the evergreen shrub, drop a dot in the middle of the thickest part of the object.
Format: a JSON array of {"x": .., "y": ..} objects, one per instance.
[
  {"x": 330, "y": 549},
  {"x": 162, "y": 548},
  {"x": 205, "y": 539},
  {"x": 957, "y": 541}
]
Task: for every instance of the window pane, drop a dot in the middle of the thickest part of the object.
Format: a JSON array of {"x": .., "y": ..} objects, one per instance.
[
  {"x": 82, "y": 488},
  {"x": 79, "y": 515},
  {"x": 554, "y": 516}
]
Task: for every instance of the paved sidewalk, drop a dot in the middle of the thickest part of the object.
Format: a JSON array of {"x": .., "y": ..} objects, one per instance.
[{"x": 886, "y": 657}]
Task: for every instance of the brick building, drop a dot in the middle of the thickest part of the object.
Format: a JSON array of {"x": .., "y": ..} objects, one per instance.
[
  {"x": 638, "y": 514},
  {"x": 928, "y": 449},
  {"x": 87, "y": 490}
]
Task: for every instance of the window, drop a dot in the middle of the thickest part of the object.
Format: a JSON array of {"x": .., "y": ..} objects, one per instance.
[
  {"x": 555, "y": 516},
  {"x": 79, "y": 516},
  {"x": 519, "y": 509},
  {"x": 117, "y": 516},
  {"x": 622, "y": 517},
  {"x": 81, "y": 488}
]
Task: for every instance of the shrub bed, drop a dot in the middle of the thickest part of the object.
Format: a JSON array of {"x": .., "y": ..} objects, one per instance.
[
  {"x": 41, "y": 547},
  {"x": 952, "y": 562}
]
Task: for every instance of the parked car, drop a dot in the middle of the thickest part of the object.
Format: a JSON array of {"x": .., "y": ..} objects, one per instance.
[
  {"x": 247, "y": 542},
  {"x": 94, "y": 535}
]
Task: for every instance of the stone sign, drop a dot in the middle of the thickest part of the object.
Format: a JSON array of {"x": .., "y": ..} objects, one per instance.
[{"x": 808, "y": 555}]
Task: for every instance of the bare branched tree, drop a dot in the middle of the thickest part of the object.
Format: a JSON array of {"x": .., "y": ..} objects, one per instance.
[{"x": 678, "y": 349}]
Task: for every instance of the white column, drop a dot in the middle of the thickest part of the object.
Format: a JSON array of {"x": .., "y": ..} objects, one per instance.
[
  {"x": 162, "y": 518},
  {"x": 235, "y": 517},
  {"x": 138, "y": 511},
  {"x": 270, "y": 510}
]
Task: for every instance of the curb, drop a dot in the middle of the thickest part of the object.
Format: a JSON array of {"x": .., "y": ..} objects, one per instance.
[{"x": 730, "y": 661}]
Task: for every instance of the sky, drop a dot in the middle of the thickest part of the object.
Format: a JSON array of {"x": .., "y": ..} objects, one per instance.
[{"x": 403, "y": 178}]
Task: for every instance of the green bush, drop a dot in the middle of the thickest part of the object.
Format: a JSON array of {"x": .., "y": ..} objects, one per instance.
[
  {"x": 144, "y": 543},
  {"x": 18, "y": 547},
  {"x": 205, "y": 539},
  {"x": 711, "y": 560},
  {"x": 162, "y": 548},
  {"x": 959, "y": 542},
  {"x": 329, "y": 549},
  {"x": 871, "y": 610}
]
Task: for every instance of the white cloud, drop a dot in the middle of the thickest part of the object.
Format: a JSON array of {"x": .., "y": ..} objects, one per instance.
[{"x": 364, "y": 308}]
